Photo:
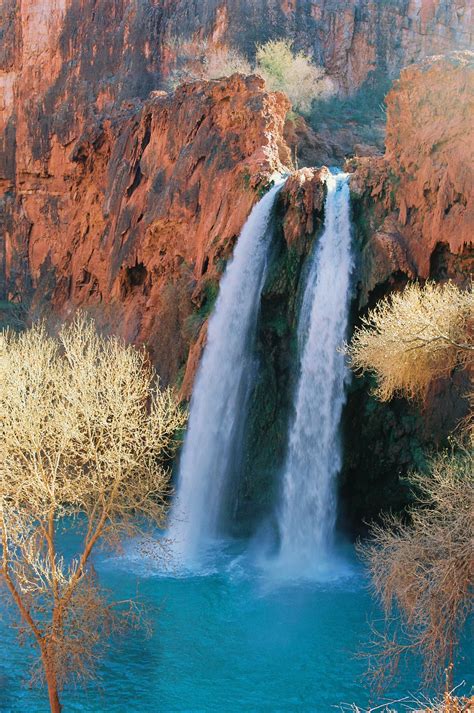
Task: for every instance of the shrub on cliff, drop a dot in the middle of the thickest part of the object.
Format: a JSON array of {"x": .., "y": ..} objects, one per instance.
[
  {"x": 292, "y": 73},
  {"x": 224, "y": 63},
  {"x": 413, "y": 337},
  {"x": 85, "y": 436},
  {"x": 282, "y": 69},
  {"x": 195, "y": 62},
  {"x": 422, "y": 569}
]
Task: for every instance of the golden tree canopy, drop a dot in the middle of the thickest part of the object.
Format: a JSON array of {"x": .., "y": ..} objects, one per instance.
[
  {"x": 413, "y": 337},
  {"x": 85, "y": 434},
  {"x": 83, "y": 426}
]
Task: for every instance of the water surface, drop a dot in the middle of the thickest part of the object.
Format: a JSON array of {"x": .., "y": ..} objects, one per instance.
[{"x": 230, "y": 638}]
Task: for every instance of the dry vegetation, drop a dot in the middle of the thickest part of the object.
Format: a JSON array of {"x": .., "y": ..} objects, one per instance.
[
  {"x": 283, "y": 70},
  {"x": 85, "y": 437},
  {"x": 422, "y": 564},
  {"x": 414, "y": 337},
  {"x": 422, "y": 570},
  {"x": 448, "y": 703},
  {"x": 197, "y": 61}
]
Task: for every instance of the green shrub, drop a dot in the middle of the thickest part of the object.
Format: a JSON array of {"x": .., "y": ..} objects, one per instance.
[
  {"x": 292, "y": 73},
  {"x": 281, "y": 68}
]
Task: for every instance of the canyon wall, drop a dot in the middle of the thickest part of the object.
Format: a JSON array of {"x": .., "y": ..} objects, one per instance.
[
  {"x": 417, "y": 202},
  {"x": 75, "y": 75},
  {"x": 135, "y": 218},
  {"x": 413, "y": 218}
]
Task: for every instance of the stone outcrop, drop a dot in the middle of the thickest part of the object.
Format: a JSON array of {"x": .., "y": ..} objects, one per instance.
[
  {"x": 135, "y": 218},
  {"x": 301, "y": 200},
  {"x": 416, "y": 216},
  {"x": 414, "y": 206}
]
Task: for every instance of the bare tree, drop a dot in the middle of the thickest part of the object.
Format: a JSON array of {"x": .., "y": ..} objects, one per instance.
[
  {"x": 421, "y": 564},
  {"x": 422, "y": 569},
  {"x": 413, "y": 337},
  {"x": 85, "y": 437},
  {"x": 198, "y": 61}
]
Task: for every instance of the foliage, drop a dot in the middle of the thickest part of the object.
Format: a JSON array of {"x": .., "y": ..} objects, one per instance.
[
  {"x": 421, "y": 566},
  {"x": 280, "y": 67},
  {"x": 412, "y": 337},
  {"x": 225, "y": 62},
  {"x": 450, "y": 702},
  {"x": 85, "y": 437},
  {"x": 201, "y": 62},
  {"x": 292, "y": 73},
  {"x": 422, "y": 569}
]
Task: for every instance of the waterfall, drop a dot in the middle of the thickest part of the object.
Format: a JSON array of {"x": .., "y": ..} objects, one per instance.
[
  {"x": 307, "y": 510},
  {"x": 212, "y": 446}
]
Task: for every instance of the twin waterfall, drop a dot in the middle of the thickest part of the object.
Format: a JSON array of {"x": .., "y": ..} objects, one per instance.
[
  {"x": 213, "y": 442},
  {"x": 308, "y": 508},
  {"x": 210, "y": 458}
]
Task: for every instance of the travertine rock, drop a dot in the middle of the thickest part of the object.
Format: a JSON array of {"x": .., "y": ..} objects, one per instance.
[
  {"x": 134, "y": 219},
  {"x": 302, "y": 197},
  {"x": 418, "y": 200}
]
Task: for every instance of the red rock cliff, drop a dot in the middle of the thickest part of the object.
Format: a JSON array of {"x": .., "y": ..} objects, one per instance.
[
  {"x": 134, "y": 219},
  {"x": 64, "y": 63},
  {"x": 418, "y": 200},
  {"x": 128, "y": 202}
]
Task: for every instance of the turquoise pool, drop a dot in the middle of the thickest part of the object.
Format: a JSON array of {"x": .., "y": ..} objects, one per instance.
[{"x": 229, "y": 638}]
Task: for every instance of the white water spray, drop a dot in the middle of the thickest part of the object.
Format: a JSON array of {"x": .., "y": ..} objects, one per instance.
[
  {"x": 308, "y": 506},
  {"x": 218, "y": 408}
]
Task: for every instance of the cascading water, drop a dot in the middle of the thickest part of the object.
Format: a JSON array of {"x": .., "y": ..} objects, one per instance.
[
  {"x": 218, "y": 405},
  {"x": 308, "y": 510}
]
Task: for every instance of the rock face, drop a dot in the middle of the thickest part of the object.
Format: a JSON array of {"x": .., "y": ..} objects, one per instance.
[
  {"x": 430, "y": 148},
  {"x": 418, "y": 200},
  {"x": 68, "y": 64},
  {"x": 65, "y": 62},
  {"x": 414, "y": 218},
  {"x": 135, "y": 218},
  {"x": 76, "y": 74},
  {"x": 351, "y": 38}
]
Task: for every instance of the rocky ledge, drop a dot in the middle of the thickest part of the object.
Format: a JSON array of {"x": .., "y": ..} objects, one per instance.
[
  {"x": 135, "y": 220},
  {"x": 416, "y": 204}
]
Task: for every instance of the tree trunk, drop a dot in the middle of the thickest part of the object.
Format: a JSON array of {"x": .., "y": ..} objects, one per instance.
[
  {"x": 51, "y": 682},
  {"x": 54, "y": 703}
]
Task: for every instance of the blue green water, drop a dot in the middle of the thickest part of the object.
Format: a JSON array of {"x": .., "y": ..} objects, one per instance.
[{"x": 231, "y": 638}]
